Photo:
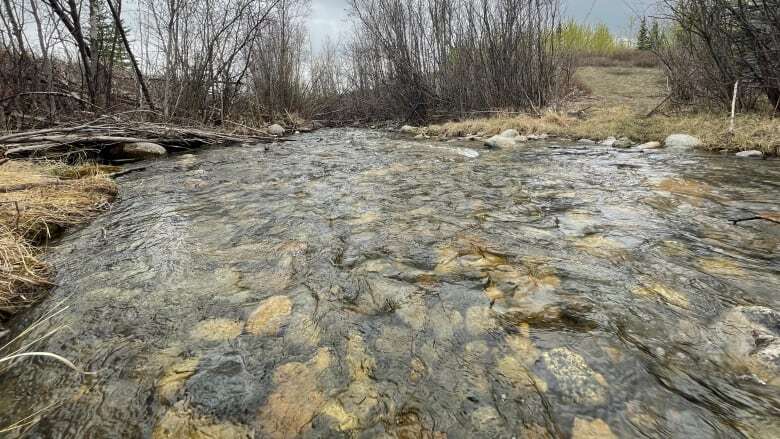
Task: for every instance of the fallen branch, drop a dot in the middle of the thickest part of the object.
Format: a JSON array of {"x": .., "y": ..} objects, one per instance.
[
  {"x": 99, "y": 135},
  {"x": 772, "y": 218}
]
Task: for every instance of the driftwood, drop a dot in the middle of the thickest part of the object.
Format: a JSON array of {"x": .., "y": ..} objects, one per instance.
[{"x": 97, "y": 136}]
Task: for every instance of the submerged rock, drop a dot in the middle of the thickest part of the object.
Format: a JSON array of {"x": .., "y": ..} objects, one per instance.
[
  {"x": 591, "y": 429},
  {"x": 575, "y": 380},
  {"x": 270, "y": 316},
  {"x": 137, "y": 150},
  {"x": 276, "y": 130},
  {"x": 682, "y": 141},
  {"x": 181, "y": 421},
  {"x": 750, "y": 336},
  {"x": 750, "y": 154}
]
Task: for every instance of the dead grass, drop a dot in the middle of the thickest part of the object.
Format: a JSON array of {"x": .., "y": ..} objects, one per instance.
[
  {"x": 37, "y": 200},
  {"x": 619, "y": 100}
]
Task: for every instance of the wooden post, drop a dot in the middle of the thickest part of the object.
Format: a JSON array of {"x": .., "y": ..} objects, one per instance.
[{"x": 734, "y": 107}]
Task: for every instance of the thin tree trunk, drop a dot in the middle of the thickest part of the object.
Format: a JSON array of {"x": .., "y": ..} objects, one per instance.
[{"x": 138, "y": 75}]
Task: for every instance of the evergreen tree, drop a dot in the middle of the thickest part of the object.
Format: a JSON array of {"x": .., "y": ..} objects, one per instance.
[{"x": 643, "y": 38}]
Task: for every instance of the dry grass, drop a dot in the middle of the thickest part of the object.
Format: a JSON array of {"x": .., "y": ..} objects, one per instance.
[
  {"x": 619, "y": 101},
  {"x": 37, "y": 200}
]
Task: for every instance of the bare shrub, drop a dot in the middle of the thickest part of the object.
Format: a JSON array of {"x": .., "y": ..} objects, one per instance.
[
  {"x": 719, "y": 42},
  {"x": 419, "y": 59}
]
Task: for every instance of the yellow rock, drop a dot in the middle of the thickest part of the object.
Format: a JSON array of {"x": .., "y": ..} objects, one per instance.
[
  {"x": 296, "y": 399},
  {"x": 270, "y": 316},
  {"x": 493, "y": 293},
  {"x": 682, "y": 186},
  {"x": 600, "y": 246},
  {"x": 524, "y": 347},
  {"x": 591, "y": 429},
  {"x": 174, "y": 378},
  {"x": 346, "y": 421},
  {"x": 217, "y": 330},
  {"x": 663, "y": 292},
  {"x": 366, "y": 218},
  {"x": 721, "y": 267},
  {"x": 514, "y": 369},
  {"x": 467, "y": 256},
  {"x": 181, "y": 422}
]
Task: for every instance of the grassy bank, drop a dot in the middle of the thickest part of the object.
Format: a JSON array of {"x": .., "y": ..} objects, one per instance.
[
  {"x": 37, "y": 201},
  {"x": 616, "y": 104},
  {"x": 752, "y": 131}
]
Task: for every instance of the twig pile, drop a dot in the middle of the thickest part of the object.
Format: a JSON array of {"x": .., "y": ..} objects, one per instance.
[{"x": 97, "y": 136}]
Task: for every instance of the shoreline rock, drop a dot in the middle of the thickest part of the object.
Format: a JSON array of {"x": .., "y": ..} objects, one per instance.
[
  {"x": 682, "y": 141},
  {"x": 753, "y": 153},
  {"x": 137, "y": 150}
]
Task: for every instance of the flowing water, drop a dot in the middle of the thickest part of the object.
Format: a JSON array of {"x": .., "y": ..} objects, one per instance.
[{"x": 352, "y": 283}]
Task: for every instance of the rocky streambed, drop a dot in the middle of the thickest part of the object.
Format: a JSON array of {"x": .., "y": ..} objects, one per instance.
[{"x": 351, "y": 284}]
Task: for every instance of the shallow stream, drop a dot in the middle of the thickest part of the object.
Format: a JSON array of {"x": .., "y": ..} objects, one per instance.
[{"x": 352, "y": 283}]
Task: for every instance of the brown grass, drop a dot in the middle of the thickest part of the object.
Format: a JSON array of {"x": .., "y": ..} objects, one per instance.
[
  {"x": 618, "y": 102},
  {"x": 37, "y": 200}
]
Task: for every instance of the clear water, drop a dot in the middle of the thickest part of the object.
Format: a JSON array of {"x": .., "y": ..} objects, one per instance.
[{"x": 355, "y": 284}]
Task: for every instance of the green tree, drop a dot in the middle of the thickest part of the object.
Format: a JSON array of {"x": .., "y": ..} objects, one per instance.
[{"x": 643, "y": 38}]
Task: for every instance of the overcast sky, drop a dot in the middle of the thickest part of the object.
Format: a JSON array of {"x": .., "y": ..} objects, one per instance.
[{"x": 329, "y": 17}]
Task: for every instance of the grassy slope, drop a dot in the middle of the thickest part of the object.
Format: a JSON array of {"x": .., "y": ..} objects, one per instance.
[{"x": 619, "y": 100}]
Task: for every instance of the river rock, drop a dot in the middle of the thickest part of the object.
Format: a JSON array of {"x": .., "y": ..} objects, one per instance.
[
  {"x": 650, "y": 145},
  {"x": 609, "y": 141},
  {"x": 575, "y": 380},
  {"x": 137, "y": 150},
  {"x": 276, "y": 130},
  {"x": 498, "y": 142},
  {"x": 623, "y": 142},
  {"x": 751, "y": 336},
  {"x": 682, "y": 141},
  {"x": 408, "y": 129},
  {"x": 510, "y": 134},
  {"x": 587, "y": 142},
  {"x": 270, "y": 316},
  {"x": 595, "y": 429},
  {"x": 750, "y": 154}
]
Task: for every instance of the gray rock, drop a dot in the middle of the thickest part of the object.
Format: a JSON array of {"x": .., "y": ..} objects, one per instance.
[
  {"x": 408, "y": 129},
  {"x": 650, "y": 145},
  {"x": 419, "y": 137},
  {"x": 682, "y": 141},
  {"x": 510, "y": 133},
  {"x": 609, "y": 141},
  {"x": 750, "y": 154},
  {"x": 538, "y": 136},
  {"x": 623, "y": 142},
  {"x": 587, "y": 142},
  {"x": 137, "y": 150},
  {"x": 276, "y": 130},
  {"x": 500, "y": 142}
]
